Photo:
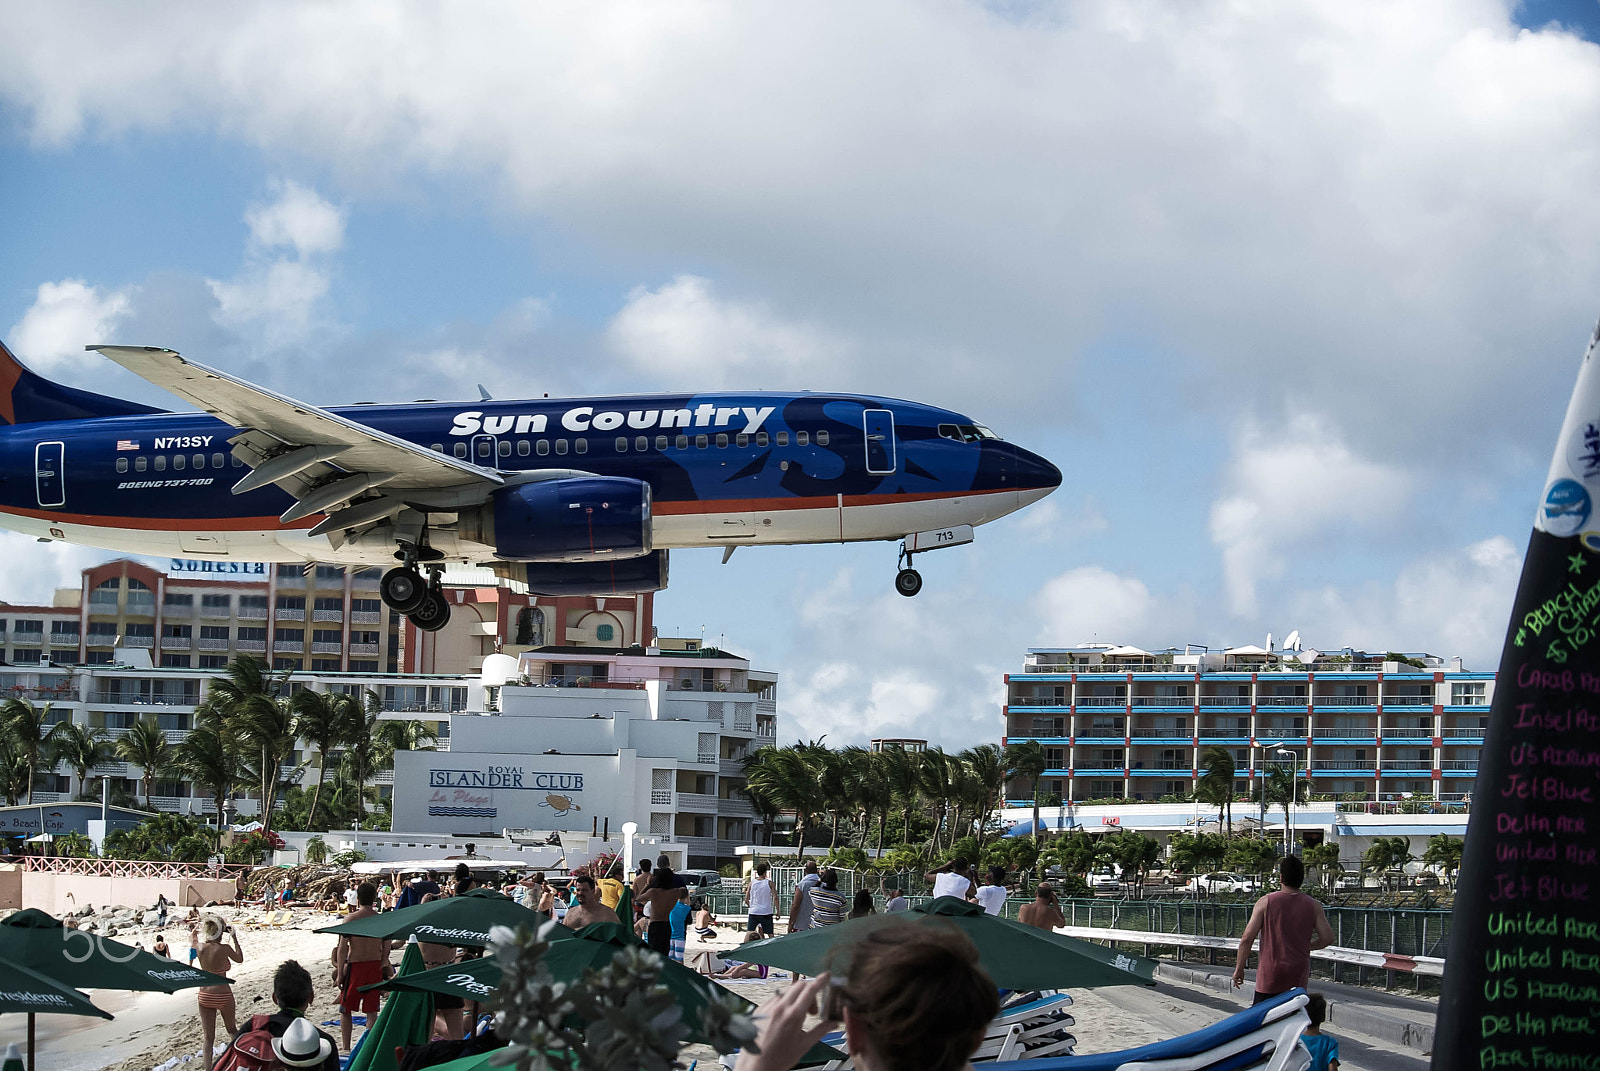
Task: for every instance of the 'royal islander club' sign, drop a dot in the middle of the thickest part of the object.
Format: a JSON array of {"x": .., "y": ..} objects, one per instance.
[{"x": 1522, "y": 980}]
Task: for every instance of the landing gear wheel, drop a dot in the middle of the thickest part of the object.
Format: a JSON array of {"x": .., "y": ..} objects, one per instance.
[
  {"x": 403, "y": 589},
  {"x": 908, "y": 582},
  {"x": 433, "y": 613}
]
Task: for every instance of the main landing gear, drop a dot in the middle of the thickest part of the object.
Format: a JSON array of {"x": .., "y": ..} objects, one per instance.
[{"x": 403, "y": 588}]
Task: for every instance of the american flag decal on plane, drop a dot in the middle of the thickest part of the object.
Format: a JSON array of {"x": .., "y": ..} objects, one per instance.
[{"x": 127, "y": 444}]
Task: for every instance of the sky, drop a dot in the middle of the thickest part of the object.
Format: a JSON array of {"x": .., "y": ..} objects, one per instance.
[{"x": 1293, "y": 294}]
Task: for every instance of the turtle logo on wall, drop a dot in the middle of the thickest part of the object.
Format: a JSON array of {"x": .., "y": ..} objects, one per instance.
[{"x": 560, "y": 804}]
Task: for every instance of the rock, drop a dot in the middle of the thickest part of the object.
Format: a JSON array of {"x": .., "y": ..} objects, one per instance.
[
  {"x": 150, "y": 918},
  {"x": 108, "y": 931}
]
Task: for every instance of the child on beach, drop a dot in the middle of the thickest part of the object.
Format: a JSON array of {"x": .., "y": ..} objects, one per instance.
[{"x": 1324, "y": 1050}]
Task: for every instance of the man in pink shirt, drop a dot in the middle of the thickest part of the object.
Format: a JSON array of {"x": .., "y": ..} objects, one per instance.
[{"x": 1291, "y": 926}]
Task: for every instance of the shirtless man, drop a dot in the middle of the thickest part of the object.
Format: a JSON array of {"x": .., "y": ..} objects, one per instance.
[
  {"x": 1043, "y": 913},
  {"x": 359, "y": 961},
  {"x": 590, "y": 908},
  {"x": 659, "y": 900},
  {"x": 217, "y": 958}
]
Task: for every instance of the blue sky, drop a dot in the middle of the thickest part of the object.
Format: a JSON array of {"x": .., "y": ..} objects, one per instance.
[{"x": 1294, "y": 295}]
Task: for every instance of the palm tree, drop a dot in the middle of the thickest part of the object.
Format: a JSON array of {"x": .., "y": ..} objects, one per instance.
[
  {"x": 900, "y": 770},
  {"x": 937, "y": 781},
  {"x": 1444, "y": 852},
  {"x": 208, "y": 758},
  {"x": 1026, "y": 758},
  {"x": 29, "y": 727},
  {"x": 1283, "y": 788},
  {"x": 146, "y": 747},
  {"x": 1215, "y": 786},
  {"x": 318, "y": 721},
  {"x": 245, "y": 703},
  {"x": 367, "y": 750},
  {"x": 407, "y": 735},
  {"x": 13, "y": 770},
  {"x": 82, "y": 748},
  {"x": 988, "y": 765},
  {"x": 786, "y": 778}
]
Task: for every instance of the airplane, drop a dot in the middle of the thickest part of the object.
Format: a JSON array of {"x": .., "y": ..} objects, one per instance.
[{"x": 576, "y": 496}]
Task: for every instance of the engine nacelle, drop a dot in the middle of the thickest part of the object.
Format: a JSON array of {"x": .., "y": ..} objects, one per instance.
[
  {"x": 581, "y": 519},
  {"x": 626, "y": 576}
]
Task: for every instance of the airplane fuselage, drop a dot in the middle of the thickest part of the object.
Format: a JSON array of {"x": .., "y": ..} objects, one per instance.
[{"x": 723, "y": 469}]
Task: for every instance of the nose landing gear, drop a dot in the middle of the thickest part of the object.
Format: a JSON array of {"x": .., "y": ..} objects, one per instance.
[
  {"x": 907, "y": 581},
  {"x": 403, "y": 589}
]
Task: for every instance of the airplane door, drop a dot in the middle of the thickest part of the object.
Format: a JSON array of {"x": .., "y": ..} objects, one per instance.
[
  {"x": 879, "y": 427},
  {"x": 483, "y": 448},
  {"x": 49, "y": 480}
]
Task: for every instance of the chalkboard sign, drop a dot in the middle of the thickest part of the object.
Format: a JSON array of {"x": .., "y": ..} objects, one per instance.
[{"x": 1522, "y": 977}]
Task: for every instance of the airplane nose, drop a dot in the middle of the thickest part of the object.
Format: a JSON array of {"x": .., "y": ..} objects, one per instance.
[{"x": 1034, "y": 473}]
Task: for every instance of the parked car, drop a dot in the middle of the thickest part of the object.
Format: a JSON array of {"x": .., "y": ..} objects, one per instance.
[
  {"x": 1347, "y": 882},
  {"x": 700, "y": 879},
  {"x": 1221, "y": 881},
  {"x": 1104, "y": 879}
]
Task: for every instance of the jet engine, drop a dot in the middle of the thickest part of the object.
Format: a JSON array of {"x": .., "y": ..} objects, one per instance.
[
  {"x": 627, "y": 576},
  {"x": 578, "y": 519}
]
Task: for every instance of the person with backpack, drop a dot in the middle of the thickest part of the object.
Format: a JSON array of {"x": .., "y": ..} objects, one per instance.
[{"x": 286, "y": 1038}]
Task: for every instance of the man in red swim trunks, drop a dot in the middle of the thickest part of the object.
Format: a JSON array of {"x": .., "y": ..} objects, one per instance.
[{"x": 359, "y": 961}]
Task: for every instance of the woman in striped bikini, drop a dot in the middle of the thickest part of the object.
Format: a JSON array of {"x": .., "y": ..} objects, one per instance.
[{"x": 217, "y": 958}]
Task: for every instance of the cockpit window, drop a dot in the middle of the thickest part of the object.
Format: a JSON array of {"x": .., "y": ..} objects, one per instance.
[{"x": 966, "y": 433}]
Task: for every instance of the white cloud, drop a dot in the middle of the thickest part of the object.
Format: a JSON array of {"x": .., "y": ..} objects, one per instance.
[
  {"x": 682, "y": 335},
  {"x": 299, "y": 218},
  {"x": 1451, "y": 602},
  {"x": 274, "y": 299},
  {"x": 64, "y": 318},
  {"x": 31, "y": 571},
  {"x": 1091, "y": 604},
  {"x": 1293, "y": 486}
]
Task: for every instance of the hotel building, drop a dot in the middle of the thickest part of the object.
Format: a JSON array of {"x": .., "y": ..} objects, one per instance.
[{"x": 1122, "y": 723}]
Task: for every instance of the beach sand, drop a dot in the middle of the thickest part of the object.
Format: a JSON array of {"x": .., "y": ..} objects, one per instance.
[{"x": 152, "y": 1028}]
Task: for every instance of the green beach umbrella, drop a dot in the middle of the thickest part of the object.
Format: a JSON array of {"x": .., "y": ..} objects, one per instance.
[
  {"x": 449, "y": 920},
  {"x": 29, "y": 991},
  {"x": 1014, "y": 955},
  {"x": 82, "y": 960},
  {"x": 595, "y": 947},
  {"x": 406, "y": 1018},
  {"x": 624, "y": 908}
]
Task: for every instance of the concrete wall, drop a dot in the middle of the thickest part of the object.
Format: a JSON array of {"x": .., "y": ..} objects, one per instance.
[
  {"x": 10, "y": 889},
  {"x": 58, "y": 894}
]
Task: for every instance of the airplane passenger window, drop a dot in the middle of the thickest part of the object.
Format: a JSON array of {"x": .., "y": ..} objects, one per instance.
[
  {"x": 761, "y": 438},
  {"x": 682, "y": 443},
  {"x": 218, "y": 461},
  {"x": 237, "y": 463},
  {"x": 580, "y": 446},
  {"x": 483, "y": 448},
  {"x": 180, "y": 462},
  {"x": 561, "y": 446},
  {"x": 522, "y": 448},
  {"x": 783, "y": 438},
  {"x": 461, "y": 450},
  {"x": 722, "y": 440},
  {"x": 661, "y": 442},
  {"x": 741, "y": 439},
  {"x": 543, "y": 447},
  {"x": 139, "y": 464},
  {"x": 622, "y": 444},
  {"x": 822, "y": 438},
  {"x": 701, "y": 442},
  {"x": 122, "y": 464},
  {"x": 437, "y": 448},
  {"x": 199, "y": 461},
  {"x": 505, "y": 447},
  {"x": 161, "y": 462},
  {"x": 642, "y": 443},
  {"x": 802, "y": 438}
]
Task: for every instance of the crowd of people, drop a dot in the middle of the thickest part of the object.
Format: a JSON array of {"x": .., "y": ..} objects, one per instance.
[{"x": 893, "y": 1018}]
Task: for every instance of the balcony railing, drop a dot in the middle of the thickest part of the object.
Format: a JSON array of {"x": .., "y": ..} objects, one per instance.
[
  {"x": 365, "y": 617},
  {"x": 1041, "y": 701},
  {"x": 322, "y": 647},
  {"x": 1280, "y": 734},
  {"x": 250, "y": 646},
  {"x": 177, "y": 643},
  {"x": 215, "y": 612},
  {"x": 1161, "y": 734},
  {"x": 207, "y": 643},
  {"x": 1163, "y": 701},
  {"x": 290, "y": 615},
  {"x": 252, "y": 613},
  {"x": 1405, "y": 764},
  {"x": 142, "y": 699},
  {"x": 1408, "y": 734},
  {"x": 363, "y": 648},
  {"x": 1224, "y": 700},
  {"x": 1459, "y": 765},
  {"x": 1103, "y": 701},
  {"x": 1344, "y": 734},
  {"x": 27, "y": 638},
  {"x": 1457, "y": 732},
  {"x": 1345, "y": 700},
  {"x": 288, "y": 646},
  {"x": 173, "y": 609},
  {"x": 1103, "y": 734},
  {"x": 1224, "y": 734},
  {"x": 138, "y": 641},
  {"x": 1408, "y": 701},
  {"x": 327, "y": 615},
  {"x": 1281, "y": 701},
  {"x": 1343, "y": 764}
]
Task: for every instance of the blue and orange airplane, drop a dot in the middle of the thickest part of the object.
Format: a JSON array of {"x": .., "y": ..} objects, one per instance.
[{"x": 572, "y": 496}]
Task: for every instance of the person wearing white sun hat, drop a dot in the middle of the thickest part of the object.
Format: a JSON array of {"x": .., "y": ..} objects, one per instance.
[{"x": 302, "y": 1045}]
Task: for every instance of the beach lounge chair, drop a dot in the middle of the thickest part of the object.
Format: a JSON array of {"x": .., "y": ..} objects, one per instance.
[
  {"x": 1262, "y": 1038},
  {"x": 1025, "y": 1031}
]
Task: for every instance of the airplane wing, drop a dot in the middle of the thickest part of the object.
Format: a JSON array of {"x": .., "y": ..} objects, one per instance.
[{"x": 324, "y": 460}]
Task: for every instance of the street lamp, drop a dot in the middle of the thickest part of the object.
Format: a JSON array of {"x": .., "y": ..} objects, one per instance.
[{"x": 1294, "y": 792}]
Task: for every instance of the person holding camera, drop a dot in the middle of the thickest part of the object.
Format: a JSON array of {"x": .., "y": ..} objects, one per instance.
[{"x": 218, "y": 958}]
